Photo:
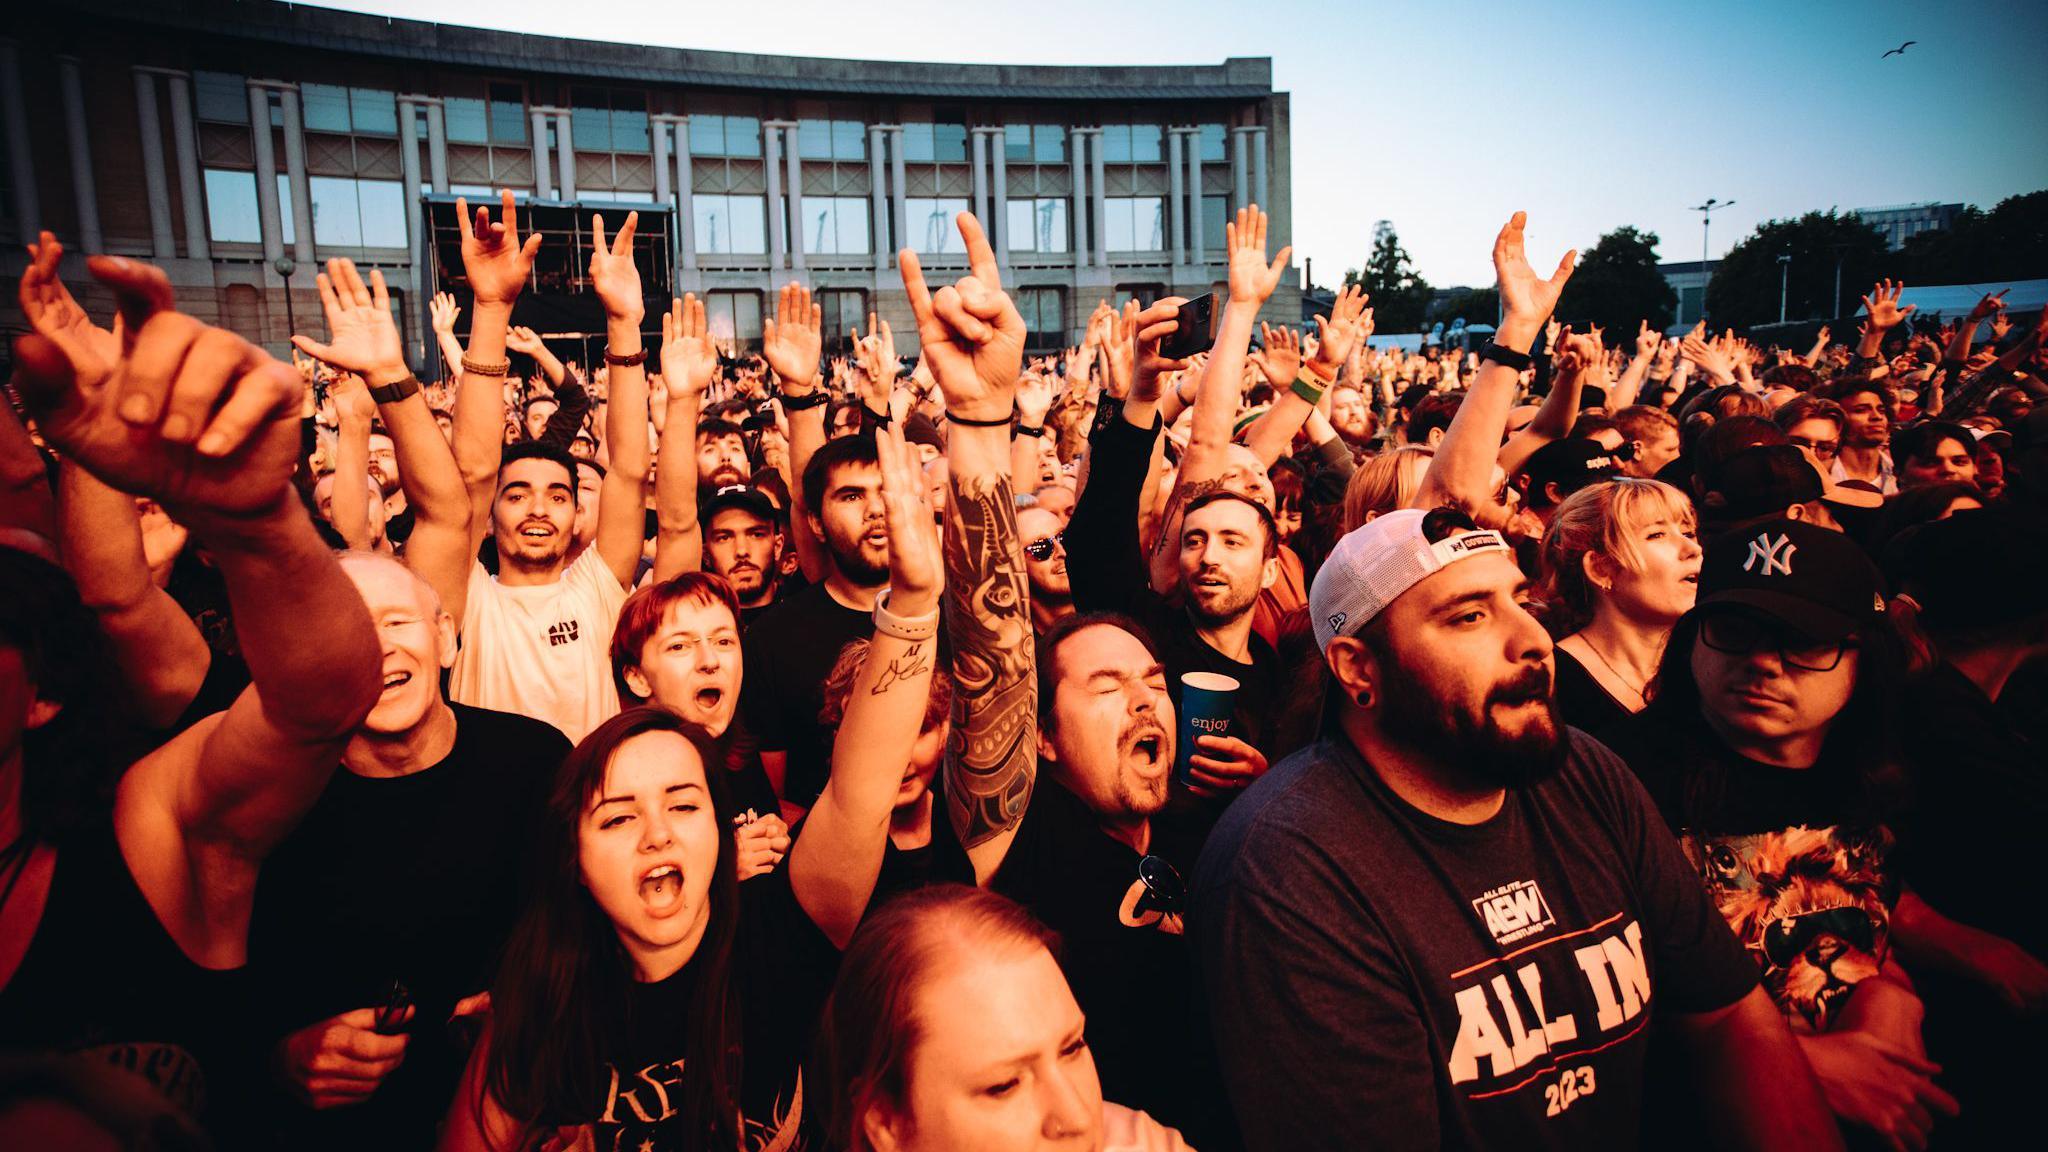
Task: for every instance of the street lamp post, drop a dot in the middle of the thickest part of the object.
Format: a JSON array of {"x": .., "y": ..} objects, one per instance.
[
  {"x": 284, "y": 266},
  {"x": 1784, "y": 281},
  {"x": 1706, "y": 212}
]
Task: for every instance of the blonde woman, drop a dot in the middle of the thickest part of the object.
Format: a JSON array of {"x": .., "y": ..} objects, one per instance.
[
  {"x": 1621, "y": 564},
  {"x": 1384, "y": 483}
]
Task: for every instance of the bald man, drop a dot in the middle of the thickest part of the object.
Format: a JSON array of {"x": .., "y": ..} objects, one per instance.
[{"x": 378, "y": 919}]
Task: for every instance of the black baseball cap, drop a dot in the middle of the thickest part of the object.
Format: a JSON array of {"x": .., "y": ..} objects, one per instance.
[
  {"x": 1571, "y": 464},
  {"x": 752, "y": 500},
  {"x": 1978, "y": 567},
  {"x": 1766, "y": 479},
  {"x": 1812, "y": 579}
]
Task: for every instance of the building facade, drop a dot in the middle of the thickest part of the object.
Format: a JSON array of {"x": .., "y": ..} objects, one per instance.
[
  {"x": 238, "y": 143},
  {"x": 1902, "y": 222},
  {"x": 1688, "y": 278}
]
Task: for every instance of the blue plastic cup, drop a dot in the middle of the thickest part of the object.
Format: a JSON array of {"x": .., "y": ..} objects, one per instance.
[{"x": 1207, "y": 700}]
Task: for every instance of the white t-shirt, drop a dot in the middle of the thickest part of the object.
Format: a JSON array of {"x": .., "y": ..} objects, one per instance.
[{"x": 542, "y": 650}]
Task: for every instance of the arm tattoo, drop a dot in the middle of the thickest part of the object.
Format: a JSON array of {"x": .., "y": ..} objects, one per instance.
[
  {"x": 915, "y": 661},
  {"x": 1181, "y": 496},
  {"x": 992, "y": 756}
]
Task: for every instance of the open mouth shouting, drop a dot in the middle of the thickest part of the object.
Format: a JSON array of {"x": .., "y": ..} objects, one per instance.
[
  {"x": 661, "y": 888},
  {"x": 1146, "y": 745}
]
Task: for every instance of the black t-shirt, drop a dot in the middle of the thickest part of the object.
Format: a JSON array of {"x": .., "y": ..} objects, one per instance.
[
  {"x": 790, "y": 650},
  {"x": 941, "y": 861},
  {"x": 1127, "y": 964},
  {"x": 1377, "y": 977},
  {"x": 785, "y": 967},
  {"x": 1795, "y": 859},
  {"x": 413, "y": 879},
  {"x": 104, "y": 981},
  {"x": 1581, "y": 701}
]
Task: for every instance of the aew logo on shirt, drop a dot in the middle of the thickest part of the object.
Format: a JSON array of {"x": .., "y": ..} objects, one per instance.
[
  {"x": 1514, "y": 911},
  {"x": 562, "y": 633}
]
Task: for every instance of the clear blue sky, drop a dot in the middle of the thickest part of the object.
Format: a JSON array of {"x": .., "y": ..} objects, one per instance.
[{"x": 1445, "y": 117}]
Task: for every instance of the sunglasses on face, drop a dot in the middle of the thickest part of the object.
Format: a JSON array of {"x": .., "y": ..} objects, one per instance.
[
  {"x": 1042, "y": 550},
  {"x": 1822, "y": 449},
  {"x": 1739, "y": 634}
]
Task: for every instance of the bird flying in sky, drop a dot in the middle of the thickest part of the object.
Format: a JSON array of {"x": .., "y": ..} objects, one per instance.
[{"x": 1900, "y": 50}]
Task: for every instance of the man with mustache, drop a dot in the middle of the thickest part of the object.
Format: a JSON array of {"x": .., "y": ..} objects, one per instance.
[
  {"x": 1479, "y": 907},
  {"x": 743, "y": 543}
]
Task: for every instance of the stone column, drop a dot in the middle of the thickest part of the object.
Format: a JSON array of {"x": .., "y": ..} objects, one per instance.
[
  {"x": 21, "y": 168},
  {"x": 185, "y": 140},
  {"x": 1176, "y": 211},
  {"x": 898, "y": 188},
  {"x": 1240, "y": 170},
  {"x": 565, "y": 155},
  {"x": 295, "y": 172},
  {"x": 771, "y": 163},
  {"x": 1259, "y": 168},
  {"x": 1195, "y": 254},
  {"x": 999, "y": 197},
  {"x": 878, "y": 199},
  {"x": 425, "y": 351},
  {"x": 795, "y": 193},
  {"x": 979, "y": 156},
  {"x": 1078, "y": 139},
  {"x": 686, "y": 208},
  {"x": 272, "y": 221},
  {"x": 83, "y": 187},
  {"x": 1101, "y": 197},
  {"x": 543, "y": 180},
  {"x": 156, "y": 182},
  {"x": 437, "y": 147},
  {"x": 658, "y": 129}
]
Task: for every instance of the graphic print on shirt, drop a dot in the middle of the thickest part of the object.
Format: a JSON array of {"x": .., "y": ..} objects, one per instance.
[
  {"x": 1535, "y": 1016},
  {"x": 1812, "y": 905},
  {"x": 563, "y": 632},
  {"x": 637, "y": 1105}
]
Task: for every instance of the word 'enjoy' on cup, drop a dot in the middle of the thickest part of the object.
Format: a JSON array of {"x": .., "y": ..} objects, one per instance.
[{"x": 1206, "y": 702}]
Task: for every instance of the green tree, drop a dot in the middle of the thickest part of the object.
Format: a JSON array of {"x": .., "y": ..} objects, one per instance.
[
  {"x": 1744, "y": 291},
  {"x": 2010, "y": 242},
  {"x": 1472, "y": 305},
  {"x": 1400, "y": 296},
  {"x": 1617, "y": 285}
]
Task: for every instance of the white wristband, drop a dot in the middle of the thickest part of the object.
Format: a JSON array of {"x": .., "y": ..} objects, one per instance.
[{"x": 911, "y": 628}]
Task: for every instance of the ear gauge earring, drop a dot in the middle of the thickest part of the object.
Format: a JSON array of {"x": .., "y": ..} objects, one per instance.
[{"x": 1365, "y": 698}]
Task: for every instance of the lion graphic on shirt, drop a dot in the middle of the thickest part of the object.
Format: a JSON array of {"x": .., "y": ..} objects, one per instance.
[{"x": 1811, "y": 904}]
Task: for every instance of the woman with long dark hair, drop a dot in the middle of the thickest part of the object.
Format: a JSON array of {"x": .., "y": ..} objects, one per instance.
[{"x": 1769, "y": 747}]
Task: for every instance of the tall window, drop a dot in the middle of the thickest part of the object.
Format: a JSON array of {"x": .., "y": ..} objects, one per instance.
[
  {"x": 733, "y": 315},
  {"x": 935, "y": 143},
  {"x": 1131, "y": 143},
  {"x": 222, "y": 97},
  {"x": 932, "y": 230},
  {"x": 1038, "y": 225},
  {"x": 713, "y": 135},
  {"x": 1212, "y": 143},
  {"x": 1035, "y": 144},
  {"x": 508, "y": 114},
  {"x": 231, "y": 215},
  {"x": 1045, "y": 319},
  {"x": 357, "y": 213},
  {"x": 831, "y": 140},
  {"x": 1134, "y": 223},
  {"x": 845, "y": 312},
  {"x": 836, "y": 225},
  {"x": 608, "y": 120},
  {"x": 730, "y": 225},
  {"x": 1215, "y": 214}
]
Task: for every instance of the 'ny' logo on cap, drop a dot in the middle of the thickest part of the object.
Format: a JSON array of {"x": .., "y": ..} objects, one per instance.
[{"x": 1775, "y": 554}]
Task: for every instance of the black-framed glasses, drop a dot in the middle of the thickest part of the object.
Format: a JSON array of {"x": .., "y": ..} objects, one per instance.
[
  {"x": 1042, "y": 550},
  {"x": 1739, "y": 634},
  {"x": 1165, "y": 892},
  {"x": 1821, "y": 449}
]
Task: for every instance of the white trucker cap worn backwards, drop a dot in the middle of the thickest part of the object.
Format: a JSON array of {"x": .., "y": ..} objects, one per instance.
[{"x": 1376, "y": 562}]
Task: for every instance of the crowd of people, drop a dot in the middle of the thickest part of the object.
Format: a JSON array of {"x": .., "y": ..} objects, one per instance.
[{"x": 1295, "y": 743}]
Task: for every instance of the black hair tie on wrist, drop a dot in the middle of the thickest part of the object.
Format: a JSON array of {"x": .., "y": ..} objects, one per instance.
[{"x": 962, "y": 420}]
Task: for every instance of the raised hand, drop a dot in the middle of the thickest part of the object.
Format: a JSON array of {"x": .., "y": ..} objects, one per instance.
[
  {"x": 196, "y": 418},
  {"x": 1528, "y": 298},
  {"x": 916, "y": 572},
  {"x": 1252, "y": 279},
  {"x": 877, "y": 354},
  {"x": 52, "y": 312},
  {"x": 442, "y": 311},
  {"x": 1883, "y": 305},
  {"x": 2000, "y": 325},
  {"x": 1119, "y": 346},
  {"x": 361, "y": 335},
  {"x": 520, "y": 338},
  {"x": 689, "y": 359},
  {"x": 972, "y": 334},
  {"x": 1346, "y": 328},
  {"x": 495, "y": 261},
  {"x": 1648, "y": 339},
  {"x": 1153, "y": 326},
  {"x": 1992, "y": 302},
  {"x": 1034, "y": 398},
  {"x": 1279, "y": 360},
  {"x": 613, "y": 274},
  {"x": 794, "y": 339}
]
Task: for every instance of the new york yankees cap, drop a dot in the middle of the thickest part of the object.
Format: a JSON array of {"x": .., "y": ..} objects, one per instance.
[
  {"x": 1376, "y": 562},
  {"x": 1812, "y": 579}
]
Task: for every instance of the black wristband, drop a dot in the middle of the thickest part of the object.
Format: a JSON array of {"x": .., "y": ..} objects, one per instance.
[
  {"x": 966, "y": 423},
  {"x": 873, "y": 419},
  {"x": 808, "y": 400},
  {"x": 1504, "y": 356},
  {"x": 1027, "y": 430},
  {"x": 394, "y": 392}
]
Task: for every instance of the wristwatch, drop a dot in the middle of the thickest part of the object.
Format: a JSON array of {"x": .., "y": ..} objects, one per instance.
[
  {"x": 1505, "y": 356},
  {"x": 395, "y": 391}
]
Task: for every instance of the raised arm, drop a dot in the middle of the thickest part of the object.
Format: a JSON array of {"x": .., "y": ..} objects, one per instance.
[
  {"x": 497, "y": 264},
  {"x": 362, "y": 338},
  {"x": 688, "y": 362},
  {"x": 1885, "y": 314},
  {"x": 349, "y": 508},
  {"x": 1626, "y": 389},
  {"x": 442, "y": 312},
  {"x": 1462, "y": 471},
  {"x": 791, "y": 344},
  {"x": 207, "y": 425},
  {"x": 520, "y": 338},
  {"x": 621, "y": 507},
  {"x": 834, "y": 864},
  {"x": 1295, "y": 399},
  {"x": 973, "y": 339},
  {"x": 1555, "y": 416}
]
